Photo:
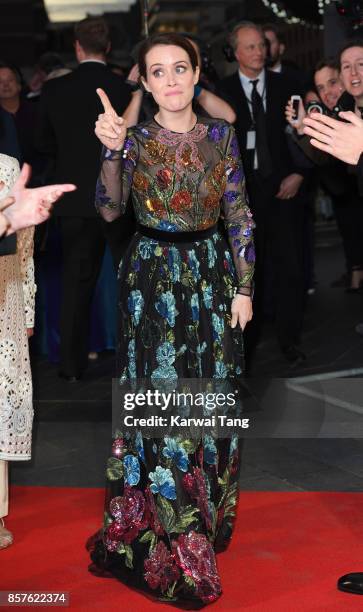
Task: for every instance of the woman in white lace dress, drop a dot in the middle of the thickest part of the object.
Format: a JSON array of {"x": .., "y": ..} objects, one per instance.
[{"x": 17, "y": 291}]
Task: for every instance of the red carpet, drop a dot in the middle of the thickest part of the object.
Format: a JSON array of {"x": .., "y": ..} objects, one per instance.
[{"x": 286, "y": 554}]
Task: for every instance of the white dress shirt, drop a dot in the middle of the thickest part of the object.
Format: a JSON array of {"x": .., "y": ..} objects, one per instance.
[{"x": 246, "y": 83}]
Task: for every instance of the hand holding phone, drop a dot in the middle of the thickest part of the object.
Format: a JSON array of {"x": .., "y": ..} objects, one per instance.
[{"x": 295, "y": 101}]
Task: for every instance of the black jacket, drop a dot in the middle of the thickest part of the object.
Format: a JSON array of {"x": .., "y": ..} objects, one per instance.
[
  {"x": 68, "y": 109},
  {"x": 278, "y": 91}
]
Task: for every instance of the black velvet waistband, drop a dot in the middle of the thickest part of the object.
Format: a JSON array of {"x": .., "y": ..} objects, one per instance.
[{"x": 151, "y": 232}]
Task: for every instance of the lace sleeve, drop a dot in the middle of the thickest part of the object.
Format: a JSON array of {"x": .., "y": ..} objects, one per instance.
[
  {"x": 25, "y": 254},
  {"x": 238, "y": 217},
  {"x": 115, "y": 179}
]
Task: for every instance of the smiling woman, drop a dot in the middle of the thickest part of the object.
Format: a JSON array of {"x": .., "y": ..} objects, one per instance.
[{"x": 351, "y": 66}]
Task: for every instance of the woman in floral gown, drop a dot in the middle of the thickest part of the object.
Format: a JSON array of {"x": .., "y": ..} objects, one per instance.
[{"x": 171, "y": 501}]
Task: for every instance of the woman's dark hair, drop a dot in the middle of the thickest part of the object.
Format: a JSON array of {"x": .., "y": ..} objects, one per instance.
[
  {"x": 353, "y": 42},
  {"x": 166, "y": 39},
  {"x": 329, "y": 62}
]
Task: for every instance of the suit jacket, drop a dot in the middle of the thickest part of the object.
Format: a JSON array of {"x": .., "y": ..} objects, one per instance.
[
  {"x": 278, "y": 91},
  {"x": 68, "y": 110}
]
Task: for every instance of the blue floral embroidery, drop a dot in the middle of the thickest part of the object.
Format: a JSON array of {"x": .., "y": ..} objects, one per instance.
[
  {"x": 234, "y": 230},
  {"x": 136, "y": 265},
  {"x": 212, "y": 254},
  {"x": 218, "y": 326},
  {"x": 210, "y": 450},
  {"x": 135, "y": 305},
  {"x": 146, "y": 247},
  {"x": 132, "y": 359},
  {"x": 166, "y": 307},
  {"x": 194, "y": 264},
  {"x": 163, "y": 482},
  {"x": 165, "y": 226},
  {"x": 174, "y": 263},
  {"x": 194, "y": 302},
  {"x": 131, "y": 470},
  {"x": 234, "y": 148},
  {"x": 139, "y": 445},
  {"x": 229, "y": 259},
  {"x": 173, "y": 450},
  {"x": 208, "y": 296},
  {"x": 231, "y": 196},
  {"x": 165, "y": 354},
  {"x": 217, "y": 132},
  {"x": 220, "y": 370},
  {"x": 163, "y": 373},
  {"x": 101, "y": 198},
  {"x": 128, "y": 144},
  {"x": 234, "y": 444},
  {"x": 236, "y": 176}
]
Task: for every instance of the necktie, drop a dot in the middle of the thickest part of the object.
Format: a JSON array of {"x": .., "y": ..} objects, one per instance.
[{"x": 259, "y": 118}]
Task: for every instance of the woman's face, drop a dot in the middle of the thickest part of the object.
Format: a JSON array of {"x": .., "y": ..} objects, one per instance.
[
  {"x": 170, "y": 77},
  {"x": 351, "y": 64},
  {"x": 328, "y": 86}
]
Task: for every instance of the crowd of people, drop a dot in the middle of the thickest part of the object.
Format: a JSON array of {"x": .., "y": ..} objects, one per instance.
[{"x": 204, "y": 191}]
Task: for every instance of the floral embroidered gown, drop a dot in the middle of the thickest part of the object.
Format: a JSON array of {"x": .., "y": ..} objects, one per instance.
[{"x": 170, "y": 502}]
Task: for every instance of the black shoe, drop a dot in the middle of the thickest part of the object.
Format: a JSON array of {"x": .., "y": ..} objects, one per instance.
[
  {"x": 351, "y": 583},
  {"x": 67, "y": 378},
  {"x": 294, "y": 356}
]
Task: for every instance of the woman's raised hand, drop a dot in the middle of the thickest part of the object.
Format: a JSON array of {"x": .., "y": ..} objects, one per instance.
[{"x": 110, "y": 129}]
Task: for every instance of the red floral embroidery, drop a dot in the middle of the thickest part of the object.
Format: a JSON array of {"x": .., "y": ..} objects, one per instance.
[
  {"x": 131, "y": 517},
  {"x": 195, "y": 485},
  {"x": 154, "y": 521},
  {"x": 164, "y": 178},
  {"x": 161, "y": 570},
  {"x": 140, "y": 182},
  {"x": 180, "y": 201},
  {"x": 194, "y": 554}
]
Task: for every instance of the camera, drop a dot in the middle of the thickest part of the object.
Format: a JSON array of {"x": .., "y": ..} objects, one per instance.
[{"x": 316, "y": 107}]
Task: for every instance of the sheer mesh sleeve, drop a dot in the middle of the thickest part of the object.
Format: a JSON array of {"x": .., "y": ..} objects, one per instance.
[
  {"x": 238, "y": 217},
  {"x": 115, "y": 179}
]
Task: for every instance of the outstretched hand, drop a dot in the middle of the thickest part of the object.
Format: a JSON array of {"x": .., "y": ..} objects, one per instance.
[
  {"x": 342, "y": 139},
  {"x": 31, "y": 206},
  {"x": 110, "y": 129}
]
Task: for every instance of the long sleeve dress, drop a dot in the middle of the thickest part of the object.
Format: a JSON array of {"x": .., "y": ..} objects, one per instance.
[
  {"x": 17, "y": 294},
  {"x": 171, "y": 500}
]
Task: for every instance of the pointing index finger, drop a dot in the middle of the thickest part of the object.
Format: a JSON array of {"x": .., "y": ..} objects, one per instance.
[{"x": 107, "y": 106}]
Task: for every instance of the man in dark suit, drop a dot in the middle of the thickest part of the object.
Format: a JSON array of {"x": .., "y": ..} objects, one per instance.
[
  {"x": 259, "y": 97},
  {"x": 69, "y": 107},
  {"x": 277, "y": 47}
]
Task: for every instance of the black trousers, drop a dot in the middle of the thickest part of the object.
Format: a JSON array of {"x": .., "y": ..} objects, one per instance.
[
  {"x": 83, "y": 246},
  {"x": 279, "y": 278}
]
